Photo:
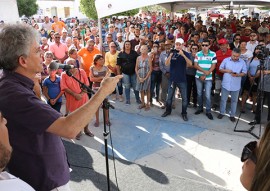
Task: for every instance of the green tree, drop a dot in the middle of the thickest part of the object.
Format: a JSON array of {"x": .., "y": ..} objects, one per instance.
[
  {"x": 89, "y": 9},
  {"x": 27, "y": 7}
]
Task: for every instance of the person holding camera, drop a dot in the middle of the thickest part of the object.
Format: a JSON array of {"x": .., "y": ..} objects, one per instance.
[
  {"x": 233, "y": 68},
  {"x": 178, "y": 60},
  {"x": 265, "y": 88}
]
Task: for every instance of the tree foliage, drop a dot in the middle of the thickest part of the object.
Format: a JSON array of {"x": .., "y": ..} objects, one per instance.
[
  {"x": 27, "y": 7},
  {"x": 89, "y": 9}
]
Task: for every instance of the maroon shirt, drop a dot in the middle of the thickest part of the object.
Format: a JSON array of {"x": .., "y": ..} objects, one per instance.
[{"x": 39, "y": 157}]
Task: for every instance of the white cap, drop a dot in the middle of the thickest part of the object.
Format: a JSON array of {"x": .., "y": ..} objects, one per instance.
[{"x": 179, "y": 40}]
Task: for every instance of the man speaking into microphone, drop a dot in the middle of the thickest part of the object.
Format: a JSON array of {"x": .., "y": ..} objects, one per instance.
[{"x": 39, "y": 156}]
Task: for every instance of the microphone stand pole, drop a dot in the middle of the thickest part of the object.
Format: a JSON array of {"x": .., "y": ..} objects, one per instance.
[
  {"x": 106, "y": 106},
  {"x": 83, "y": 86}
]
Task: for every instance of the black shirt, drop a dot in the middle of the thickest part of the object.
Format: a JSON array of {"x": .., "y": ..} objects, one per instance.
[{"x": 127, "y": 62}]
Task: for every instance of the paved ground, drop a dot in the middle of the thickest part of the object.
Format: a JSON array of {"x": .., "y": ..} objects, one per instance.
[{"x": 155, "y": 153}]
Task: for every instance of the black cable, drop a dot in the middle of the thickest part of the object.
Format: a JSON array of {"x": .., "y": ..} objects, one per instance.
[{"x": 115, "y": 174}]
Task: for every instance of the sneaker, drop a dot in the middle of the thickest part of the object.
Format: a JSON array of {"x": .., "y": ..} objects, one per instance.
[
  {"x": 220, "y": 116},
  {"x": 214, "y": 106},
  {"x": 232, "y": 119},
  {"x": 139, "y": 102},
  {"x": 198, "y": 112},
  {"x": 127, "y": 102},
  {"x": 254, "y": 122},
  {"x": 184, "y": 116},
  {"x": 210, "y": 116}
]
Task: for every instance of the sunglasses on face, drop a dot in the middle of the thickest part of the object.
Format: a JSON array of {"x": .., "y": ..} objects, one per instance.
[
  {"x": 248, "y": 152},
  {"x": 57, "y": 37},
  {"x": 205, "y": 45}
]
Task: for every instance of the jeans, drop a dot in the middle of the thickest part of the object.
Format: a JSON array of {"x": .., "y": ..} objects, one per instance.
[
  {"x": 201, "y": 85},
  {"x": 191, "y": 87},
  {"x": 156, "y": 77},
  {"x": 128, "y": 82},
  {"x": 234, "y": 99},
  {"x": 171, "y": 92},
  {"x": 119, "y": 86},
  {"x": 218, "y": 81}
]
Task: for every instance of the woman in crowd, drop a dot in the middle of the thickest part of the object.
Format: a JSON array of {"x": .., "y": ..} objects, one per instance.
[
  {"x": 191, "y": 72},
  {"x": 143, "y": 70},
  {"x": 256, "y": 158},
  {"x": 97, "y": 72},
  {"x": 156, "y": 74},
  {"x": 48, "y": 57},
  {"x": 236, "y": 41},
  {"x": 75, "y": 96},
  {"x": 51, "y": 37},
  {"x": 110, "y": 62},
  {"x": 251, "y": 83}
]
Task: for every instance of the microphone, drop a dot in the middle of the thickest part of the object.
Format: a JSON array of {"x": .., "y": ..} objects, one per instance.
[
  {"x": 66, "y": 66},
  {"x": 55, "y": 65}
]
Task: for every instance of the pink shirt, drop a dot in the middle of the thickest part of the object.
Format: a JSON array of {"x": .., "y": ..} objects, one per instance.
[
  {"x": 59, "y": 51},
  {"x": 70, "y": 83}
]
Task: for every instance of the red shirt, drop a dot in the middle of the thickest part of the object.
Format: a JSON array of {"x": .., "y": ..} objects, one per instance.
[{"x": 220, "y": 58}]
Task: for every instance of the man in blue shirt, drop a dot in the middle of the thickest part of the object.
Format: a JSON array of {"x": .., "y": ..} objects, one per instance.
[
  {"x": 234, "y": 68},
  {"x": 178, "y": 61}
]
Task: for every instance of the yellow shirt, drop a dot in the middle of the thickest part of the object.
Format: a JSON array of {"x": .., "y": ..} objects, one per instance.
[{"x": 111, "y": 59}]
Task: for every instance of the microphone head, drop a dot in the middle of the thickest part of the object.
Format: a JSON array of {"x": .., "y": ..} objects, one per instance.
[{"x": 54, "y": 65}]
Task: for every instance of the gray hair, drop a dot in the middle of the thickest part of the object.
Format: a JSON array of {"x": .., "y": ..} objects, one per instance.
[
  {"x": 16, "y": 40},
  {"x": 237, "y": 50}
]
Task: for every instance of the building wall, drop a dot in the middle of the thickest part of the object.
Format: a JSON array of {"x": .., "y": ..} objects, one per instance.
[
  {"x": 62, "y": 9},
  {"x": 9, "y": 11}
]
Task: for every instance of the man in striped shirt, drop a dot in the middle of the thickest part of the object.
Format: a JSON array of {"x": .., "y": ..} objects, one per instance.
[{"x": 205, "y": 62}]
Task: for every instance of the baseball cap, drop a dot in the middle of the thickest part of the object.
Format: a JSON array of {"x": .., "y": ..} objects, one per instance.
[
  {"x": 119, "y": 34},
  {"x": 248, "y": 28},
  {"x": 53, "y": 65},
  {"x": 223, "y": 41},
  {"x": 179, "y": 40}
]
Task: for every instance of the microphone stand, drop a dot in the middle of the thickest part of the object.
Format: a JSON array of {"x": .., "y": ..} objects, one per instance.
[
  {"x": 83, "y": 86},
  {"x": 105, "y": 106},
  {"x": 259, "y": 100}
]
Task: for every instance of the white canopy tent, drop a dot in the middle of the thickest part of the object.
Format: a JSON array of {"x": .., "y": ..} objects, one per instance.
[{"x": 110, "y": 7}]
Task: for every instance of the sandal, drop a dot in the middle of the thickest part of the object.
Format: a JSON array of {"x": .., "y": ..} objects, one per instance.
[
  {"x": 96, "y": 124},
  {"x": 147, "y": 108},
  {"x": 141, "y": 106},
  {"x": 89, "y": 133}
]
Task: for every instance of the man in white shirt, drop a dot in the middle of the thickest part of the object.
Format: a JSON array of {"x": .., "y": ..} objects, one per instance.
[
  {"x": 120, "y": 40},
  {"x": 253, "y": 41},
  {"x": 8, "y": 181}
]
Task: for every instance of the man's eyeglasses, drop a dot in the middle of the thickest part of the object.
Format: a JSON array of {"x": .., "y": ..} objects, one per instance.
[
  {"x": 248, "y": 152},
  {"x": 205, "y": 45}
]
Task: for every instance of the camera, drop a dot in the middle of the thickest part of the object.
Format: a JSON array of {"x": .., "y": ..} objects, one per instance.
[
  {"x": 174, "y": 51},
  {"x": 262, "y": 53}
]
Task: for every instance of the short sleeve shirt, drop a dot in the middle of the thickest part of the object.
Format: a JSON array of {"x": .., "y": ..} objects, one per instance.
[
  {"x": 39, "y": 157},
  {"x": 205, "y": 62}
]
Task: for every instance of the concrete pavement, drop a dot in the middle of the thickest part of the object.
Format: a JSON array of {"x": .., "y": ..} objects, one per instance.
[{"x": 162, "y": 153}]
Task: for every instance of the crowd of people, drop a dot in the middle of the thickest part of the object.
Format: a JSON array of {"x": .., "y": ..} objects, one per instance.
[
  {"x": 158, "y": 57},
  {"x": 140, "y": 48}
]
